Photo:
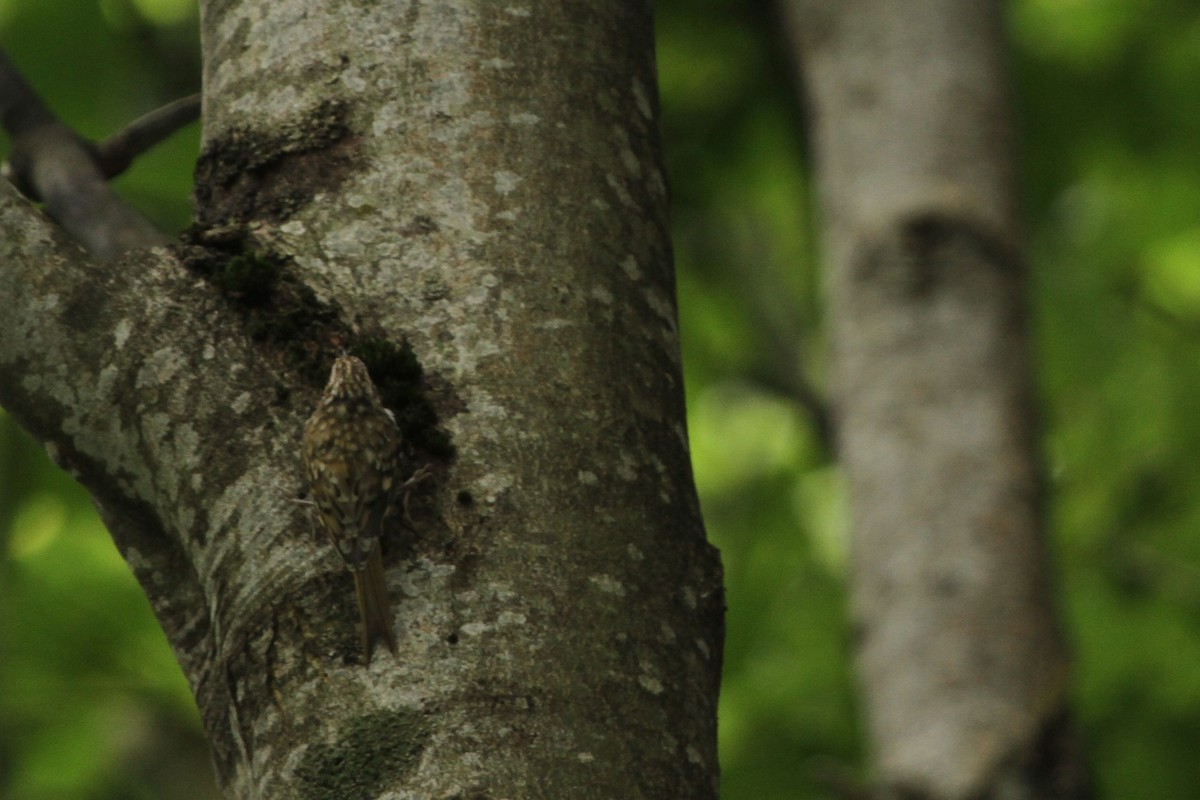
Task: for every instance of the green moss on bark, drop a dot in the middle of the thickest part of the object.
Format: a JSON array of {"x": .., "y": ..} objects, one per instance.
[{"x": 374, "y": 752}]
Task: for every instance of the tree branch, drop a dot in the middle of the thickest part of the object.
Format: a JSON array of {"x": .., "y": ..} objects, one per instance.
[
  {"x": 136, "y": 380},
  {"x": 52, "y": 163},
  {"x": 782, "y": 368}
]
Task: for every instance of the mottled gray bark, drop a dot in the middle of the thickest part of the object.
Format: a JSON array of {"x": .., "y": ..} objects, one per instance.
[
  {"x": 485, "y": 182},
  {"x": 962, "y": 663}
]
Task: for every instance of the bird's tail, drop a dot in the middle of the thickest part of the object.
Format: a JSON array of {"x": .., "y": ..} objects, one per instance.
[{"x": 374, "y": 606}]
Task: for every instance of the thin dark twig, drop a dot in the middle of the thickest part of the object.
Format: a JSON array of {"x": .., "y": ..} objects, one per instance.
[
  {"x": 782, "y": 368},
  {"x": 117, "y": 152}
]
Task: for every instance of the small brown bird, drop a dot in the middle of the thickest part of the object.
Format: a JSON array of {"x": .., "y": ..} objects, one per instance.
[{"x": 352, "y": 453}]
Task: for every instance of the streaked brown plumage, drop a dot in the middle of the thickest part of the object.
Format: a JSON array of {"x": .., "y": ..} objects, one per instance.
[{"x": 352, "y": 454}]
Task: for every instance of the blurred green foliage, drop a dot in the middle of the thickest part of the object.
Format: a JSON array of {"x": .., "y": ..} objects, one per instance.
[{"x": 91, "y": 705}]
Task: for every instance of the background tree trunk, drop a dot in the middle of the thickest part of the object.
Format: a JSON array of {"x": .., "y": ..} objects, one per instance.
[
  {"x": 962, "y": 664},
  {"x": 485, "y": 183}
]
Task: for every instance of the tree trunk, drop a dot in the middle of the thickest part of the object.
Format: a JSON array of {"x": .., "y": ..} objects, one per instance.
[
  {"x": 484, "y": 182},
  {"x": 962, "y": 663}
]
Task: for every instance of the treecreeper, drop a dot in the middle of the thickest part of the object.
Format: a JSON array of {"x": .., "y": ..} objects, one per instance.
[{"x": 352, "y": 453}]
